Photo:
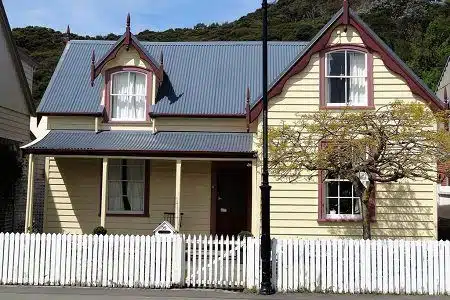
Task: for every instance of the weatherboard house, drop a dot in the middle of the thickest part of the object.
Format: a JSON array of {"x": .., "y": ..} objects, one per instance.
[{"x": 137, "y": 133}]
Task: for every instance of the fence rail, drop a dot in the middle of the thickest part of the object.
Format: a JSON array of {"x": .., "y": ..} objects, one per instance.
[{"x": 338, "y": 266}]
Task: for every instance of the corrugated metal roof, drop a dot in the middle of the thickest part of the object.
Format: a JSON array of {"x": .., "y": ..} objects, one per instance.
[
  {"x": 141, "y": 142},
  {"x": 201, "y": 77}
]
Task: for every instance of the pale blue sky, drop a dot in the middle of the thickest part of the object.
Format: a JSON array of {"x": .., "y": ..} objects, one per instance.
[{"x": 104, "y": 16}]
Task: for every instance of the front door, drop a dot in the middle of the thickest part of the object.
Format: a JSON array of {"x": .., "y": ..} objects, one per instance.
[{"x": 233, "y": 186}]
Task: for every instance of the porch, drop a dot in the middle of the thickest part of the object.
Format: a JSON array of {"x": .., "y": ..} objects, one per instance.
[{"x": 132, "y": 192}]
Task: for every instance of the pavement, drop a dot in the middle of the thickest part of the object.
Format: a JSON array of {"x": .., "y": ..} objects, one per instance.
[{"x": 69, "y": 293}]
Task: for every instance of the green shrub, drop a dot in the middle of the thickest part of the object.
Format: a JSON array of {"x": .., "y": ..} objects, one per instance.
[{"x": 100, "y": 230}]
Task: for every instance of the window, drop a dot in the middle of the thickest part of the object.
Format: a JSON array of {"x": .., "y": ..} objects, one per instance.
[
  {"x": 346, "y": 78},
  {"x": 128, "y": 96},
  {"x": 341, "y": 199},
  {"x": 126, "y": 186}
]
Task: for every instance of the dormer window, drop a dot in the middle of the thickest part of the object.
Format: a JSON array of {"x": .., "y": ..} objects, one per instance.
[{"x": 128, "y": 96}]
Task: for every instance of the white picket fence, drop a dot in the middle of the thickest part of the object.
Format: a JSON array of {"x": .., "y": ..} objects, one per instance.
[
  {"x": 358, "y": 266},
  {"x": 338, "y": 266},
  {"x": 127, "y": 261}
]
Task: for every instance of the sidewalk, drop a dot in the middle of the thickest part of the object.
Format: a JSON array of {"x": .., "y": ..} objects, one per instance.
[{"x": 54, "y": 293}]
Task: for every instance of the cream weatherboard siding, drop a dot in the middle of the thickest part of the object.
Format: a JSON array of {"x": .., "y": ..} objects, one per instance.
[
  {"x": 201, "y": 124},
  {"x": 73, "y": 197},
  {"x": 403, "y": 210}
]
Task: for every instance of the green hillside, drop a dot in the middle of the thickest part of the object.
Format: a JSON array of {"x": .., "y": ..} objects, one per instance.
[{"x": 418, "y": 31}]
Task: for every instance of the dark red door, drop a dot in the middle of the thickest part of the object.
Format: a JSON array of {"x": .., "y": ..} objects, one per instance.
[{"x": 232, "y": 199}]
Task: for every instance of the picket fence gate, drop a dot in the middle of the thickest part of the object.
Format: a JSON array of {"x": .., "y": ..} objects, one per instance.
[{"x": 337, "y": 266}]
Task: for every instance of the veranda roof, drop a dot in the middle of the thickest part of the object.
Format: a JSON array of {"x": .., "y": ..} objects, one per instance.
[{"x": 143, "y": 143}]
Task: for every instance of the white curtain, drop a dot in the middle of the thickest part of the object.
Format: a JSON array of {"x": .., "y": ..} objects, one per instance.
[
  {"x": 128, "y": 96},
  {"x": 357, "y": 92}
]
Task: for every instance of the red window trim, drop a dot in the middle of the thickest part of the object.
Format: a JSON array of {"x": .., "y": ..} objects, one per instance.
[
  {"x": 146, "y": 212},
  {"x": 322, "y": 216},
  {"x": 370, "y": 93},
  {"x": 108, "y": 73}
]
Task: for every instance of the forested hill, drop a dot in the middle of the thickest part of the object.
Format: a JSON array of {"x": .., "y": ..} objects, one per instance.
[{"x": 417, "y": 30}]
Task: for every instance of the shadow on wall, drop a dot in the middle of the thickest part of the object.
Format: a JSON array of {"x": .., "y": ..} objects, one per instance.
[
  {"x": 73, "y": 202},
  {"x": 402, "y": 211}
]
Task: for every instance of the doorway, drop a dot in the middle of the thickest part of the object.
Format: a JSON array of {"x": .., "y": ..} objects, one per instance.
[{"x": 231, "y": 198}]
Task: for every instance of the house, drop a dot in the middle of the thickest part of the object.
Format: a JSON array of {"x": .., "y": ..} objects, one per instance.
[
  {"x": 16, "y": 106},
  {"x": 143, "y": 132}
]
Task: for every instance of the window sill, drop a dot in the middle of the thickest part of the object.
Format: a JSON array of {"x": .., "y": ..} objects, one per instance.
[
  {"x": 134, "y": 215},
  {"x": 342, "y": 220},
  {"x": 343, "y": 107}
]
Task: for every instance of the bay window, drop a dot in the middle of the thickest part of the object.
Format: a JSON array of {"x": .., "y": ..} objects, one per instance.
[
  {"x": 346, "y": 78},
  {"x": 128, "y": 94},
  {"x": 126, "y": 186}
]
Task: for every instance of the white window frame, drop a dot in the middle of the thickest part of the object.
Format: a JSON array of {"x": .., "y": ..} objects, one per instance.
[
  {"x": 338, "y": 215},
  {"x": 111, "y": 95},
  {"x": 125, "y": 212},
  {"x": 345, "y": 76}
]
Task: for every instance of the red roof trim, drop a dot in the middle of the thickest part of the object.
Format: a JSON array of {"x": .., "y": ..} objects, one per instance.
[{"x": 373, "y": 46}]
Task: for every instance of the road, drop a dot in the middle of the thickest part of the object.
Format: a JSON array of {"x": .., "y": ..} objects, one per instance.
[{"x": 58, "y": 293}]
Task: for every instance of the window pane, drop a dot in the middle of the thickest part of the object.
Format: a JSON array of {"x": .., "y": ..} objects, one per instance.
[
  {"x": 114, "y": 172},
  {"x": 346, "y": 206},
  {"x": 356, "y": 64},
  {"x": 135, "y": 173},
  {"x": 336, "y": 90},
  {"x": 346, "y": 189},
  {"x": 357, "y": 91},
  {"x": 356, "y": 206},
  {"x": 336, "y": 63},
  {"x": 120, "y": 83},
  {"x": 332, "y": 207},
  {"x": 115, "y": 202},
  {"x": 119, "y": 107},
  {"x": 137, "y": 84},
  {"x": 135, "y": 194},
  {"x": 332, "y": 189},
  {"x": 137, "y": 107}
]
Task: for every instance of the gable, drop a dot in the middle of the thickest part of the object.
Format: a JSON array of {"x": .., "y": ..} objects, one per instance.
[{"x": 357, "y": 33}]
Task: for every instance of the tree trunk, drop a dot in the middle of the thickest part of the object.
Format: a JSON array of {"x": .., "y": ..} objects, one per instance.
[{"x": 367, "y": 234}]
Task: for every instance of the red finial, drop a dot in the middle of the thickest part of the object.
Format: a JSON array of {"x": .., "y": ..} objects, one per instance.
[
  {"x": 67, "y": 35},
  {"x": 247, "y": 108},
  {"x": 445, "y": 95},
  {"x": 346, "y": 12},
  {"x": 128, "y": 33},
  {"x": 161, "y": 67},
  {"x": 93, "y": 68}
]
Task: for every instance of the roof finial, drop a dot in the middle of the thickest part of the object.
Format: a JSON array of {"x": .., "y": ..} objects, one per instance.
[
  {"x": 445, "y": 95},
  {"x": 346, "y": 14},
  {"x": 161, "y": 68},
  {"x": 247, "y": 108},
  {"x": 128, "y": 32},
  {"x": 67, "y": 35},
  {"x": 92, "y": 67}
]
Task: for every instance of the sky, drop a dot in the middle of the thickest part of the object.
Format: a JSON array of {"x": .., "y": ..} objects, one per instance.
[{"x": 100, "y": 17}]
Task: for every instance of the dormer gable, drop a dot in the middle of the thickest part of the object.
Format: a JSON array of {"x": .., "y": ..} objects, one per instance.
[{"x": 126, "y": 42}]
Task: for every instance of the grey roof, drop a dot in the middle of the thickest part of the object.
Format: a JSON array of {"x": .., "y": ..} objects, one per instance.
[
  {"x": 138, "y": 143},
  {"x": 201, "y": 77}
]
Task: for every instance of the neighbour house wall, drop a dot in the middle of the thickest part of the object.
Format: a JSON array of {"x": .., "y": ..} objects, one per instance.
[
  {"x": 444, "y": 82},
  {"x": 73, "y": 197},
  {"x": 406, "y": 209}
]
